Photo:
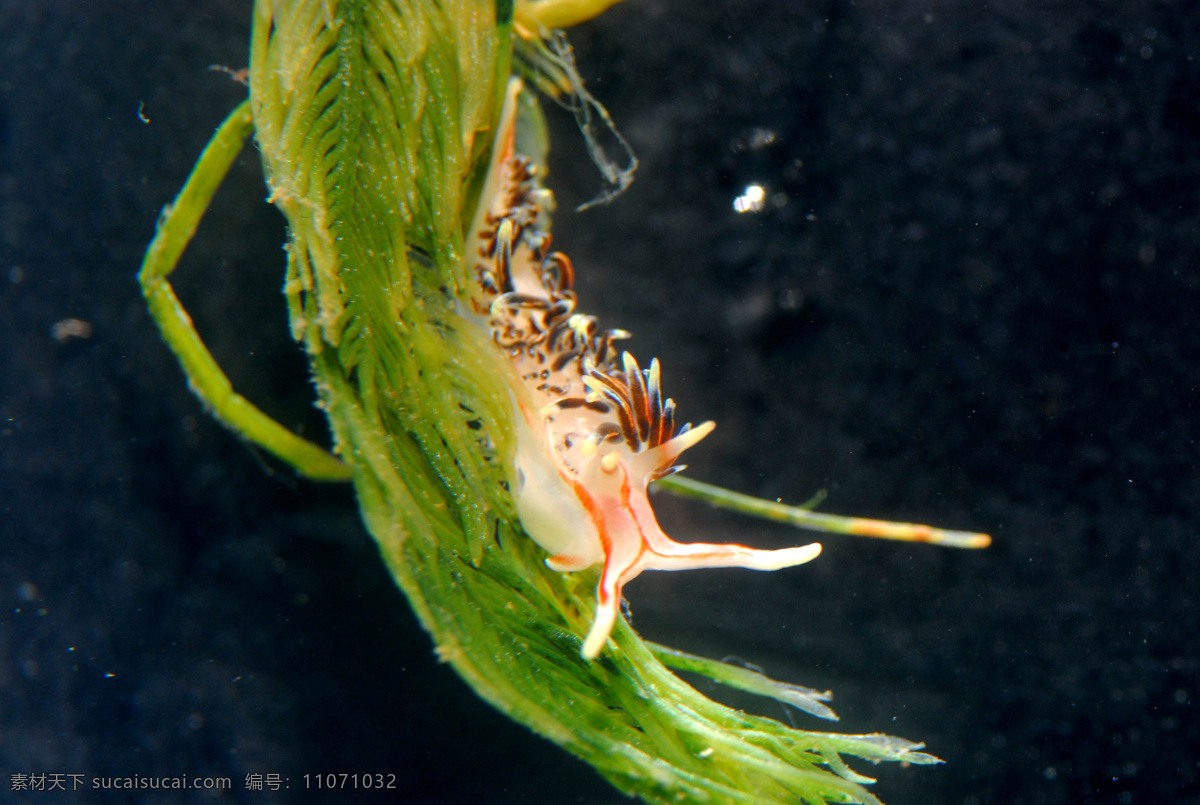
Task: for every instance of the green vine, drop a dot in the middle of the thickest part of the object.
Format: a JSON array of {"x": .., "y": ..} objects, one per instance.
[{"x": 375, "y": 121}]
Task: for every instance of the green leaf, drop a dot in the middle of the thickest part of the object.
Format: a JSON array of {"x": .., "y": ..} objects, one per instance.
[{"x": 375, "y": 120}]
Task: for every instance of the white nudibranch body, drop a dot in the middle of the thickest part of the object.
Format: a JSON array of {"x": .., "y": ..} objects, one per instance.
[{"x": 593, "y": 430}]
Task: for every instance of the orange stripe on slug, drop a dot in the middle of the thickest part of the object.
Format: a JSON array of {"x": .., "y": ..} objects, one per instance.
[{"x": 593, "y": 510}]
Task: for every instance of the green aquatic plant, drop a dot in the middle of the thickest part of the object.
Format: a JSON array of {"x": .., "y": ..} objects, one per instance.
[{"x": 386, "y": 129}]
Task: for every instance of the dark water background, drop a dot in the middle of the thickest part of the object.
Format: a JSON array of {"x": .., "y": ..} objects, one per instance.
[{"x": 972, "y": 301}]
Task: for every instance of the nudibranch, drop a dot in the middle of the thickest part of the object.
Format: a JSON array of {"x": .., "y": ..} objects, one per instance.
[{"x": 593, "y": 429}]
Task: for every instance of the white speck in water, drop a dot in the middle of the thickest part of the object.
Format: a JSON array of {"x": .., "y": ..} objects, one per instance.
[{"x": 752, "y": 199}]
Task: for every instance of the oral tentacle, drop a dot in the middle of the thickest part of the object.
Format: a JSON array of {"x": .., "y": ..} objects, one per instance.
[
  {"x": 624, "y": 562},
  {"x": 693, "y": 555},
  {"x": 664, "y": 553}
]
